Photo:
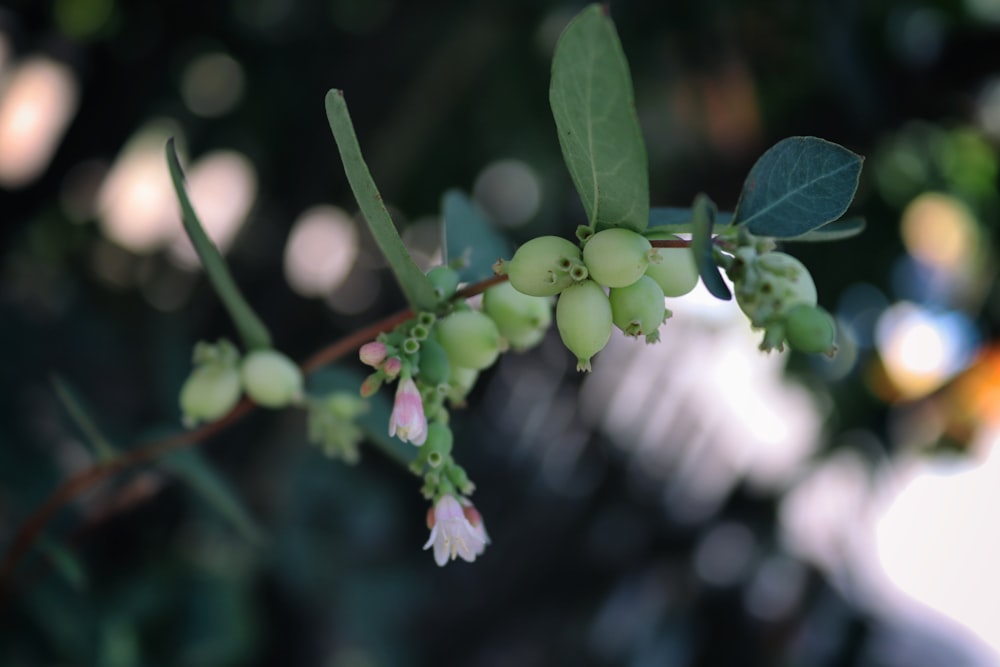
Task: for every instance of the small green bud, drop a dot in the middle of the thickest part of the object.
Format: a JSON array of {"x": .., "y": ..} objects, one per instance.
[
  {"x": 469, "y": 338},
  {"x": 434, "y": 368},
  {"x": 445, "y": 280},
  {"x": 271, "y": 379},
  {"x": 617, "y": 257},
  {"x": 811, "y": 329},
  {"x": 521, "y": 319},
  {"x": 540, "y": 266},
  {"x": 638, "y": 309},
  {"x": 676, "y": 272},
  {"x": 209, "y": 393},
  {"x": 583, "y": 317}
]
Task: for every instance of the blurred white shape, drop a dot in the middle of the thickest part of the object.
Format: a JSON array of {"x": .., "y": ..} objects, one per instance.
[
  {"x": 938, "y": 540},
  {"x": 940, "y": 231},
  {"x": 136, "y": 205},
  {"x": 39, "y": 101},
  {"x": 509, "y": 192},
  {"x": 222, "y": 186},
  {"x": 724, "y": 553},
  {"x": 920, "y": 350},
  {"x": 212, "y": 84},
  {"x": 321, "y": 250}
]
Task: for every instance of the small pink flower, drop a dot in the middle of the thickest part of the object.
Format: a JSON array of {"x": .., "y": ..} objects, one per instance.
[
  {"x": 453, "y": 533},
  {"x": 391, "y": 367},
  {"x": 372, "y": 353},
  {"x": 408, "y": 420}
]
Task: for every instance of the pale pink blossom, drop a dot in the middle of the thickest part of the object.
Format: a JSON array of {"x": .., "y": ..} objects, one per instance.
[
  {"x": 408, "y": 420},
  {"x": 391, "y": 367},
  {"x": 372, "y": 353},
  {"x": 456, "y": 532}
]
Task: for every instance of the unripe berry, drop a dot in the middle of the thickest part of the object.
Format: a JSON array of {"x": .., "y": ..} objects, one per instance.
[
  {"x": 438, "y": 445},
  {"x": 583, "y": 316},
  {"x": 810, "y": 329},
  {"x": 638, "y": 309},
  {"x": 434, "y": 367},
  {"x": 469, "y": 338},
  {"x": 616, "y": 257},
  {"x": 676, "y": 273},
  {"x": 540, "y": 267},
  {"x": 772, "y": 285},
  {"x": 271, "y": 379},
  {"x": 521, "y": 319},
  {"x": 210, "y": 392},
  {"x": 444, "y": 279}
]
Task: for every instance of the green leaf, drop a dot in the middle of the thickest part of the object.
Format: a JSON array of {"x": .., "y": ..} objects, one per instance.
[
  {"x": 251, "y": 328},
  {"x": 834, "y": 231},
  {"x": 799, "y": 184},
  {"x": 65, "y": 562},
  {"x": 191, "y": 467},
  {"x": 88, "y": 427},
  {"x": 677, "y": 219},
  {"x": 701, "y": 245},
  {"x": 416, "y": 288},
  {"x": 593, "y": 106},
  {"x": 469, "y": 237}
]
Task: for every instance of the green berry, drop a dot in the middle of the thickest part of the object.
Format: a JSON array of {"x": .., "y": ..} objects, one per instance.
[
  {"x": 810, "y": 329},
  {"x": 583, "y": 317},
  {"x": 271, "y": 379},
  {"x": 521, "y": 319},
  {"x": 676, "y": 272},
  {"x": 541, "y": 266},
  {"x": 210, "y": 392},
  {"x": 445, "y": 281},
  {"x": 771, "y": 285},
  {"x": 438, "y": 445},
  {"x": 460, "y": 383},
  {"x": 638, "y": 309},
  {"x": 469, "y": 338},
  {"x": 617, "y": 257},
  {"x": 434, "y": 367}
]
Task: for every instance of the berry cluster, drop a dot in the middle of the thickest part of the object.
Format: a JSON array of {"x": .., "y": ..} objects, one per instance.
[{"x": 636, "y": 275}]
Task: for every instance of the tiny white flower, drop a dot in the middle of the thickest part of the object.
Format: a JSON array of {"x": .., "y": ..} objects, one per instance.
[{"x": 455, "y": 531}]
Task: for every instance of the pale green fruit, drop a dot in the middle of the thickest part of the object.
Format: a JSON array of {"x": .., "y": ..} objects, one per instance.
[
  {"x": 616, "y": 257},
  {"x": 271, "y": 379},
  {"x": 541, "y": 266},
  {"x": 445, "y": 281},
  {"x": 583, "y": 317},
  {"x": 638, "y": 309},
  {"x": 521, "y": 319},
  {"x": 469, "y": 338},
  {"x": 209, "y": 393},
  {"x": 676, "y": 273},
  {"x": 773, "y": 285},
  {"x": 810, "y": 329},
  {"x": 434, "y": 367}
]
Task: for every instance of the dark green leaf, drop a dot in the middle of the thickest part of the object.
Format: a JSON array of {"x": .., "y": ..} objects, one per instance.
[
  {"x": 834, "y": 231},
  {"x": 416, "y": 288},
  {"x": 191, "y": 467},
  {"x": 593, "y": 106},
  {"x": 799, "y": 184},
  {"x": 65, "y": 563},
  {"x": 251, "y": 328},
  {"x": 701, "y": 245},
  {"x": 470, "y": 238},
  {"x": 88, "y": 427}
]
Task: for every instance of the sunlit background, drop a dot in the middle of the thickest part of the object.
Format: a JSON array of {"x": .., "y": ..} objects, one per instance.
[{"x": 692, "y": 503}]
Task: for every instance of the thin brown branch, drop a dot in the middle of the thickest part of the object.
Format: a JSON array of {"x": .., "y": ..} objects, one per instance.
[{"x": 669, "y": 243}]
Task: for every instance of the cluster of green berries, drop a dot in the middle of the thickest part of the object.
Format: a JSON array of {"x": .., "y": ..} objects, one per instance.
[
  {"x": 221, "y": 375},
  {"x": 777, "y": 292},
  {"x": 616, "y": 279}
]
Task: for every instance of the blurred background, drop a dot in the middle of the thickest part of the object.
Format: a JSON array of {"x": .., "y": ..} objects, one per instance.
[{"x": 695, "y": 503}]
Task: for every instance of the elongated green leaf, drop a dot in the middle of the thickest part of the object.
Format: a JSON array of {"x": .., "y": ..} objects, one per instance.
[
  {"x": 677, "y": 219},
  {"x": 65, "y": 562},
  {"x": 592, "y": 102},
  {"x": 88, "y": 427},
  {"x": 701, "y": 246},
  {"x": 470, "y": 237},
  {"x": 799, "y": 184},
  {"x": 416, "y": 288},
  {"x": 191, "y": 467},
  {"x": 251, "y": 328},
  {"x": 834, "y": 231}
]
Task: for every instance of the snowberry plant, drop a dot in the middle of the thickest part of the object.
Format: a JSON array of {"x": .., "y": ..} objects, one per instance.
[{"x": 614, "y": 273}]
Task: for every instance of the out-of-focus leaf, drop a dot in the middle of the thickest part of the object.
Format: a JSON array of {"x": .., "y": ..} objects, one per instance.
[
  {"x": 190, "y": 466},
  {"x": 469, "y": 237},
  {"x": 103, "y": 448},
  {"x": 677, "y": 220},
  {"x": 593, "y": 106},
  {"x": 416, "y": 288},
  {"x": 701, "y": 245},
  {"x": 252, "y": 330},
  {"x": 799, "y": 184},
  {"x": 65, "y": 563},
  {"x": 834, "y": 231}
]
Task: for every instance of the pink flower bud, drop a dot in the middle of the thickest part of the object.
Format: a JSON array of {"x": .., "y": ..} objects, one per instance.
[
  {"x": 408, "y": 420},
  {"x": 392, "y": 367},
  {"x": 371, "y": 385},
  {"x": 372, "y": 353}
]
